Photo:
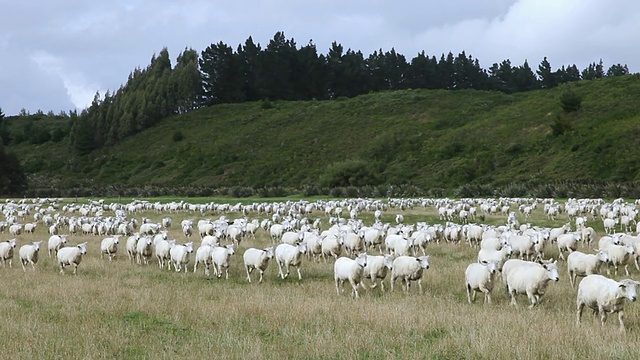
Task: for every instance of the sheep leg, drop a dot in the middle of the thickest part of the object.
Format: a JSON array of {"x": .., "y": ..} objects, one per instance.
[
  {"x": 248, "y": 269},
  {"x": 620, "y": 317},
  {"x": 468, "y": 288},
  {"x": 299, "y": 274}
]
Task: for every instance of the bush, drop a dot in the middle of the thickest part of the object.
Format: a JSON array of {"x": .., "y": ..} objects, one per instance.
[
  {"x": 178, "y": 136},
  {"x": 570, "y": 101}
]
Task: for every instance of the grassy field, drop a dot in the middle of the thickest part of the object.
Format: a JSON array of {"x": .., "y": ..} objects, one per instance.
[{"x": 126, "y": 311}]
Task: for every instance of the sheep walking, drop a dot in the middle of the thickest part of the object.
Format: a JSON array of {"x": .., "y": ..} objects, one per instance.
[
  {"x": 581, "y": 264},
  {"x": 256, "y": 259},
  {"x": 527, "y": 277},
  {"x": 29, "y": 254},
  {"x": 347, "y": 269},
  {"x": 407, "y": 269},
  {"x": 479, "y": 277},
  {"x": 289, "y": 255},
  {"x": 6, "y": 251},
  {"x": 72, "y": 256},
  {"x": 605, "y": 295}
]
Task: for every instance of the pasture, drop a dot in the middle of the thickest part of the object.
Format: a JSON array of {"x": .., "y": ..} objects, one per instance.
[{"x": 123, "y": 310}]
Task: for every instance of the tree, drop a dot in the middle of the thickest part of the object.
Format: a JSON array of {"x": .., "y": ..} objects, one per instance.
[
  {"x": 618, "y": 70},
  {"x": 524, "y": 79},
  {"x": 13, "y": 181},
  {"x": 547, "y": 77}
]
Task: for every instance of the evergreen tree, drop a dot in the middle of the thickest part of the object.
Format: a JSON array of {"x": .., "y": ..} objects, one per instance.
[
  {"x": 547, "y": 77},
  {"x": 13, "y": 181},
  {"x": 421, "y": 73},
  {"x": 618, "y": 70},
  {"x": 524, "y": 79}
]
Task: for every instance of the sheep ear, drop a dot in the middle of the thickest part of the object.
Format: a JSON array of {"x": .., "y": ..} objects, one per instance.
[{"x": 622, "y": 286}]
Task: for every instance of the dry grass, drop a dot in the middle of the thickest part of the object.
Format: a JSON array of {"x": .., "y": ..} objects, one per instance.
[{"x": 121, "y": 310}]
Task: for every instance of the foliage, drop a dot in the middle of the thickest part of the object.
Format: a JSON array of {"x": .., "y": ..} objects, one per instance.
[{"x": 570, "y": 101}]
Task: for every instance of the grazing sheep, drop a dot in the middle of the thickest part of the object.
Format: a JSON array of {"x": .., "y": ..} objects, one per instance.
[
  {"x": 479, "y": 277},
  {"x": 71, "y": 255},
  {"x": 179, "y": 254},
  {"x": 407, "y": 269},
  {"x": 220, "y": 256},
  {"x": 289, "y": 255},
  {"x": 6, "y": 251},
  {"x": 29, "y": 254},
  {"x": 347, "y": 269},
  {"x": 605, "y": 295},
  {"x": 377, "y": 268},
  {"x": 257, "y": 259},
  {"x": 55, "y": 242},
  {"x": 581, "y": 264},
  {"x": 527, "y": 277},
  {"x": 143, "y": 250},
  {"x": 109, "y": 246}
]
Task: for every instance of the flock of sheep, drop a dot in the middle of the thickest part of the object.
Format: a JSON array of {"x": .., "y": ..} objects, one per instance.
[{"x": 513, "y": 250}]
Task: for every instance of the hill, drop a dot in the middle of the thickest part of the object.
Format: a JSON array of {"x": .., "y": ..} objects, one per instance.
[{"x": 436, "y": 141}]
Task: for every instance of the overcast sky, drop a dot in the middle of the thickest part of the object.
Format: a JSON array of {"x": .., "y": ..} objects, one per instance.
[{"x": 55, "y": 55}]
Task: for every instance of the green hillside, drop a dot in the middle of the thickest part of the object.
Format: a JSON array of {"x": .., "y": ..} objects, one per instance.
[{"x": 429, "y": 139}]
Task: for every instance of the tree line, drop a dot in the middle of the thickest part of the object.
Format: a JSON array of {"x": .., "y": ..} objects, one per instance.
[{"x": 282, "y": 70}]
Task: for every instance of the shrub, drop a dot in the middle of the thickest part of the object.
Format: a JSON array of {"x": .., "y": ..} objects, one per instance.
[{"x": 178, "y": 136}]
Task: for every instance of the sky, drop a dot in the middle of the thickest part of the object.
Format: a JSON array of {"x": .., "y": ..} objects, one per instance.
[{"x": 55, "y": 55}]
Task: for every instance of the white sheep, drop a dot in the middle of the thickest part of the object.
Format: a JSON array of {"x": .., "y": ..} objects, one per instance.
[
  {"x": 581, "y": 264},
  {"x": 291, "y": 237},
  {"x": 332, "y": 245},
  {"x": 6, "y": 251},
  {"x": 179, "y": 255},
  {"x": 605, "y": 295},
  {"x": 373, "y": 238},
  {"x": 210, "y": 240},
  {"x": 162, "y": 251},
  {"x": 567, "y": 242},
  {"x": 402, "y": 247},
  {"x": 143, "y": 250},
  {"x": 619, "y": 255},
  {"x": 354, "y": 242},
  {"x": 55, "y": 242},
  {"x": 29, "y": 254},
  {"x": 377, "y": 268},
  {"x": 71, "y": 255},
  {"x": 347, "y": 269},
  {"x": 480, "y": 277},
  {"x": 132, "y": 246},
  {"x": 220, "y": 256},
  {"x": 609, "y": 225},
  {"x": 289, "y": 255},
  {"x": 109, "y": 246},
  {"x": 527, "y": 277},
  {"x": 257, "y": 259},
  {"x": 409, "y": 268},
  {"x": 203, "y": 256},
  {"x": 491, "y": 255},
  {"x": 493, "y": 243},
  {"x": 523, "y": 245}
]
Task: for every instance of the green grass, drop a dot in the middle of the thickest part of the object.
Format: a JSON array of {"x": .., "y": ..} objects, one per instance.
[
  {"x": 122, "y": 310},
  {"x": 428, "y": 138}
]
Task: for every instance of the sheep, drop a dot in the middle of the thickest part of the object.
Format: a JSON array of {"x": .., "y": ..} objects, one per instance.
[
  {"x": 132, "y": 246},
  {"x": 71, "y": 255},
  {"x": 523, "y": 245},
  {"x": 409, "y": 268},
  {"x": 568, "y": 242},
  {"x": 55, "y": 242},
  {"x": 314, "y": 245},
  {"x": 499, "y": 256},
  {"x": 179, "y": 254},
  {"x": 609, "y": 225},
  {"x": 203, "y": 255},
  {"x": 581, "y": 264},
  {"x": 349, "y": 269},
  {"x": 257, "y": 259},
  {"x": 619, "y": 255},
  {"x": 332, "y": 246},
  {"x": 15, "y": 229},
  {"x": 109, "y": 246},
  {"x": 479, "y": 277},
  {"x": 276, "y": 231},
  {"x": 291, "y": 237},
  {"x": 6, "y": 251},
  {"x": 373, "y": 238},
  {"x": 143, "y": 250},
  {"x": 420, "y": 240},
  {"x": 354, "y": 242},
  {"x": 29, "y": 254},
  {"x": 605, "y": 295},
  {"x": 210, "y": 240},
  {"x": 289, "y": 255},
  {"x": 474, "y": 235},
  {"x": 220, "y": 256},
  {"x": 377, "y": 268},
  {"x": 30, "y": 228},
  {"x": 390, "y": 240},
  {"x": 492, "y": 243},
  {"x": 527, "y": 277},
  {"x": 587, "y": 235},
  {"x": 162, "y": 251}
]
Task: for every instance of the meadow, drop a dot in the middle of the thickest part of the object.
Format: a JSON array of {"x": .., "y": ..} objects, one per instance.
[{"x": 127, "y": 311}]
